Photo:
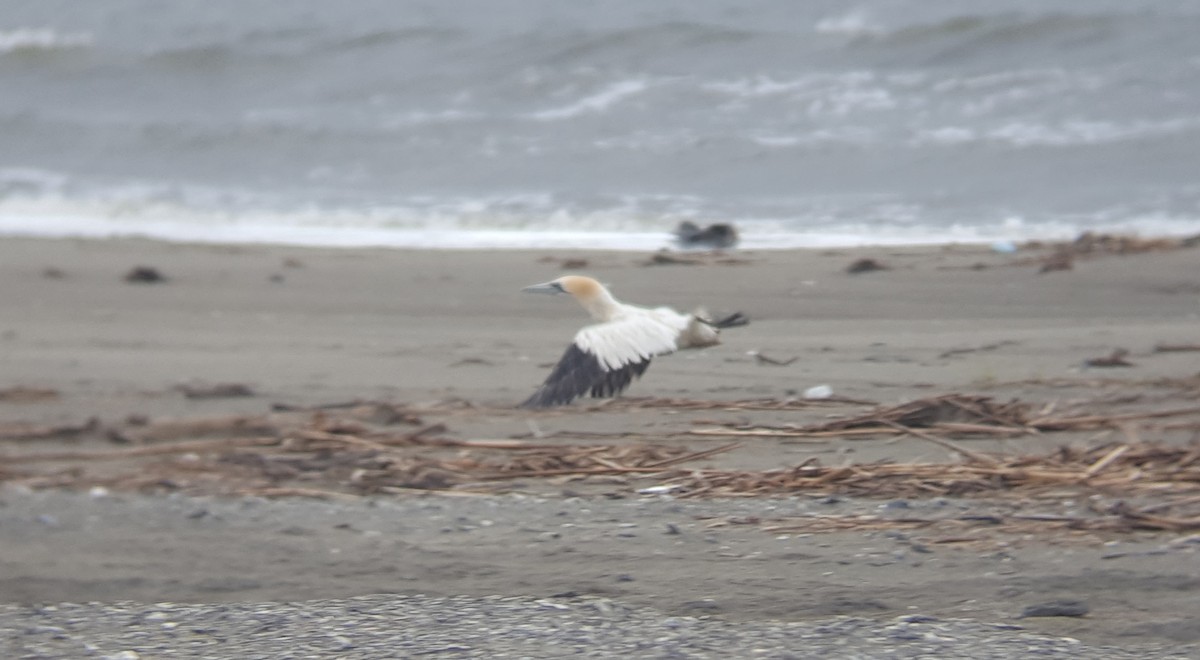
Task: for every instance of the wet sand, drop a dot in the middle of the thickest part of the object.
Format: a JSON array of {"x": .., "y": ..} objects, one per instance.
[{"x": 309, "y": 327}]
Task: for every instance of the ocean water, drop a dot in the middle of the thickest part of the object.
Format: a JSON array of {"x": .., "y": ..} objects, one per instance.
[{"x": 541, "y": 123}]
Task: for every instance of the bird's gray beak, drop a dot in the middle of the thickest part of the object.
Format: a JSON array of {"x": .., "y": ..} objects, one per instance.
[{"x": 548, "y": 287}]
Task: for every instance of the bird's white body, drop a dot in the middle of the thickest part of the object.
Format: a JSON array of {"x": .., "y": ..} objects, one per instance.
[
  {"x": 633, "y": 334},
  {"x": 606, "y": 356}
]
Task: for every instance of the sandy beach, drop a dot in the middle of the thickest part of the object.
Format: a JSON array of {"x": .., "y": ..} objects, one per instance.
[{"x": 449, "y": 335}]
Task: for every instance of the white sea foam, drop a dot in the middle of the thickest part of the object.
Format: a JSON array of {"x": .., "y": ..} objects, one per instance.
[
  {"x": 1067, "y": 133},
  {"x": 822, "y": 95},
  {"x": 482, "y": 226},
  {"x": 853, "y": 24},
  {"x": 32, "y": 39},
  {"x": 598, "y": 102},
  {"x": 945, "y": 135},
  {"x": 846, "y": 135}
]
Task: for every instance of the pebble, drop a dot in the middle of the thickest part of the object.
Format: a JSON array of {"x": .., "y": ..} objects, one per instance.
[{"x": 493, "y": 627}]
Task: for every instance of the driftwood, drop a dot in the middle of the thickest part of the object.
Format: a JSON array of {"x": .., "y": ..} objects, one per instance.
[
  {"x": 958, "y": 414},
  {"x": 1125, "y": 469},
  {"x": 1175, "y": 348},
  {"x": 21, "y": 394}
]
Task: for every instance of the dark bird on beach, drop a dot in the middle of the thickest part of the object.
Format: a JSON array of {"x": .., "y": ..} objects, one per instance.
[
  {"x": 713, "y": 237},
  {"x": 605, "y": 357}
]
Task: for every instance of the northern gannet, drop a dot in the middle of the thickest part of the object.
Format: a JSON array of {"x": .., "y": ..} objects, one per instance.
[{"x": 605, "y": 357}]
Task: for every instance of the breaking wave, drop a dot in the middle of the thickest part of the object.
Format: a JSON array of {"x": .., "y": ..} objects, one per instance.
[{"x": 29, "y": 40}]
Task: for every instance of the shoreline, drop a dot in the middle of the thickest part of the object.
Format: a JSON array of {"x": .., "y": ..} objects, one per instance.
[{"x": 586, "y": 241}]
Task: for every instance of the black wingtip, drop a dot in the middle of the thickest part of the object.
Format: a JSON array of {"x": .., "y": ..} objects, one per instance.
[{"x": 579, "y": 373}]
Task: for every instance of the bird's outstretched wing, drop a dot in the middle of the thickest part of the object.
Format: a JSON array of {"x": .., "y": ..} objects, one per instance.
[{"x": 603, "y": 360}]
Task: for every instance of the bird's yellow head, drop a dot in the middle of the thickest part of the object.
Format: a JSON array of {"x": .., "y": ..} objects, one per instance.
[
  {"x": 583, "y": 288},
  {"x": 590, "y": 293}
]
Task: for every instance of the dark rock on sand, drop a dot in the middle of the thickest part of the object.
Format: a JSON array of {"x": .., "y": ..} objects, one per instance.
[{"x": 144, "y": 275}]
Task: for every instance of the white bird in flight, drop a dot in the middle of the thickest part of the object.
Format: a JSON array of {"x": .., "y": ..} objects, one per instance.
[{"x": 605, "y": 357}]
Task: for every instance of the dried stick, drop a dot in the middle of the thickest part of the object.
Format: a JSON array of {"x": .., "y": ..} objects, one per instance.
[
  {"x": 966, "y": 427},
  {"x": 1105, "y": 461},
  {"x": 558, "y": 472},
  {"x": 973, "y": 455},
  {"x": 309, "y": 434},
  {"x": 1068, "y": 422},
  {"x": 695, "y": 455},
  {"x": 491, "y": 444}
]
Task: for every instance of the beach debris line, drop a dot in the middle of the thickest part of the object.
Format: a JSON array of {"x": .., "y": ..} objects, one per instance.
[
  {"x": 354, "y": 449},
  {"x": 1059, "y": 256},
  {"x": 958, "y": 414},
  {"x": 1114, "y": 359},
  {"x": 1089, "y": 242},
  {"x": 1089, "y": 245},
  {"x": 265, "y": 453},
  {"x": 1170, "y": 474},
  {"x": 604, "y": 358}
]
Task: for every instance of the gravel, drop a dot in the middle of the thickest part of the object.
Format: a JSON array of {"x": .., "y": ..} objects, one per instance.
[
  {"x": 224, "y": 541},
  {"x": 496, "y": 627}
]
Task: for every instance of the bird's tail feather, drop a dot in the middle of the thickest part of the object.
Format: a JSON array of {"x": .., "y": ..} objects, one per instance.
[{"x": 732, "y": 321}]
